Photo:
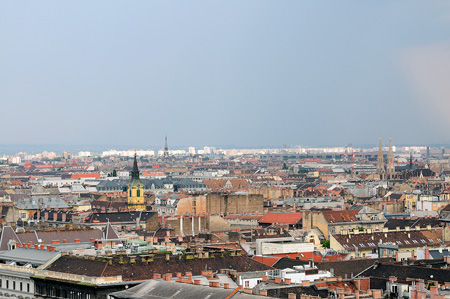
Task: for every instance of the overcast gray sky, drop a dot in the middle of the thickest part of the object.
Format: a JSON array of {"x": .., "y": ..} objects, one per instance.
[{"x": 238, "y": 73}]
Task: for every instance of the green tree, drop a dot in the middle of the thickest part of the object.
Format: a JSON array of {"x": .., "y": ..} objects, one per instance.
[{"x": 325, "y": 243}]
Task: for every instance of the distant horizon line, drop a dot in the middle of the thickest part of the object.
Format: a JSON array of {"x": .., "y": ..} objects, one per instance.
[{"x": 104, "y": 147}]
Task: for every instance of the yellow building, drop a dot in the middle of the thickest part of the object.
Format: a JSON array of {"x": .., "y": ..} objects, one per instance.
[
  {"x": 136, "y": 200},
  {"x": 410, "y": 202}
]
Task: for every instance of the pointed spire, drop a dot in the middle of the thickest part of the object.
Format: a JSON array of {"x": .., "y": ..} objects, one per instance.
[
  {"x": 390, "y": 165},
  {"x": 380, "y": 162},
  {"x": 135, "y": 171}
]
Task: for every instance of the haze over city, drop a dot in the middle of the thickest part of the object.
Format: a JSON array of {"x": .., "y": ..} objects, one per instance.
[{"x": 242, "y": 74}]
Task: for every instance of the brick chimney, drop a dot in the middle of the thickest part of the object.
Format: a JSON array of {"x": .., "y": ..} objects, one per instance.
[
  {"x": 197, "y": 281},
  {"x": 306, "y": 283},
  {"x": 226, "y": 286},
  {"x": 167, "y": 276}
]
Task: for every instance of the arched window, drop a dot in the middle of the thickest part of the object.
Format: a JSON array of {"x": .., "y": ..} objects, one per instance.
[
  {"x": 138, "y": 193},
  {"x": 130, "y": 192}
]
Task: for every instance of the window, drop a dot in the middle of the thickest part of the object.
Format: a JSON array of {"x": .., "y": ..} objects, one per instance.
[
  {"x": 415, "y": 242},
  {"x": 7, "y": 284},
  {"x": 138, "y": 193},
  {"x": 247, "y": 284},
  {"x": 439, "y": 240},
  {"x": 431, "y": 240},
  {"x": 28, "y": 287},
  {"x": 21, "y": 286},
  {"x": 407, "y": 242},
  {"x": 14, "y": 285},
  {"x": 311, "y": 271},
  {"x": 422, "y": 240}
]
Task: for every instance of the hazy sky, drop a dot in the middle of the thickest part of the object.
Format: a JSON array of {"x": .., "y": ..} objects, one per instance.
[{"x": 237, "y": 73}]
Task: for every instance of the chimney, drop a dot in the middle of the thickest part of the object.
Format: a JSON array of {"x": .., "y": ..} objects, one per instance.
[
  {"x": 278, "y": 280},
  {"x": 433, "y": 291},
  {"x": 178, "y": 274},
  {"x": 287, "y": 281},
  {"x": 292, "y": 296},
  {"x": 427, "y": 253},
  {"x": 263, "y": 292},
  {"x": 167, "y": 276},
  {"x": 306, "y": 283},
  {"x": 265, "y": 278},
  {"x": 156, "y": 275},
  {"x": 197, "y": 281},
  {"x": 226, "y": 286}
]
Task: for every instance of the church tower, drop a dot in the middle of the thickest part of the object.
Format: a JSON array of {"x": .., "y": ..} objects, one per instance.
[
  {"x": 136, "y": 198},
  {"x": 390, "y": 165},
  {"x": 380, "y": 162}
]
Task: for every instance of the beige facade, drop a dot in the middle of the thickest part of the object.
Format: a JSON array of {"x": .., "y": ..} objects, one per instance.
[{"x": 336, "y": 222}]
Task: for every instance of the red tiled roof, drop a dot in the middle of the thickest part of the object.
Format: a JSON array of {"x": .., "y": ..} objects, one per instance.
[
  {"x": 267, "y": 260},
  {"x": 281, "y": 218},
  {"x": 340, "y": 216}
]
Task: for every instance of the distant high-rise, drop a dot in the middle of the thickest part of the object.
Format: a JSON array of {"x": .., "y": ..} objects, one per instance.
[
  {"x": 410, "y": 161},
  {"x": 380, "y": 162},
  {"x": 166, "y": 149},
  {"x": 390, "y": 169}
]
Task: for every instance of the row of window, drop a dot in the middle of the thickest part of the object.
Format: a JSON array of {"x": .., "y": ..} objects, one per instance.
[
  {"x": 7, "y": 284},
  {"x": 57, "y": 292}
]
